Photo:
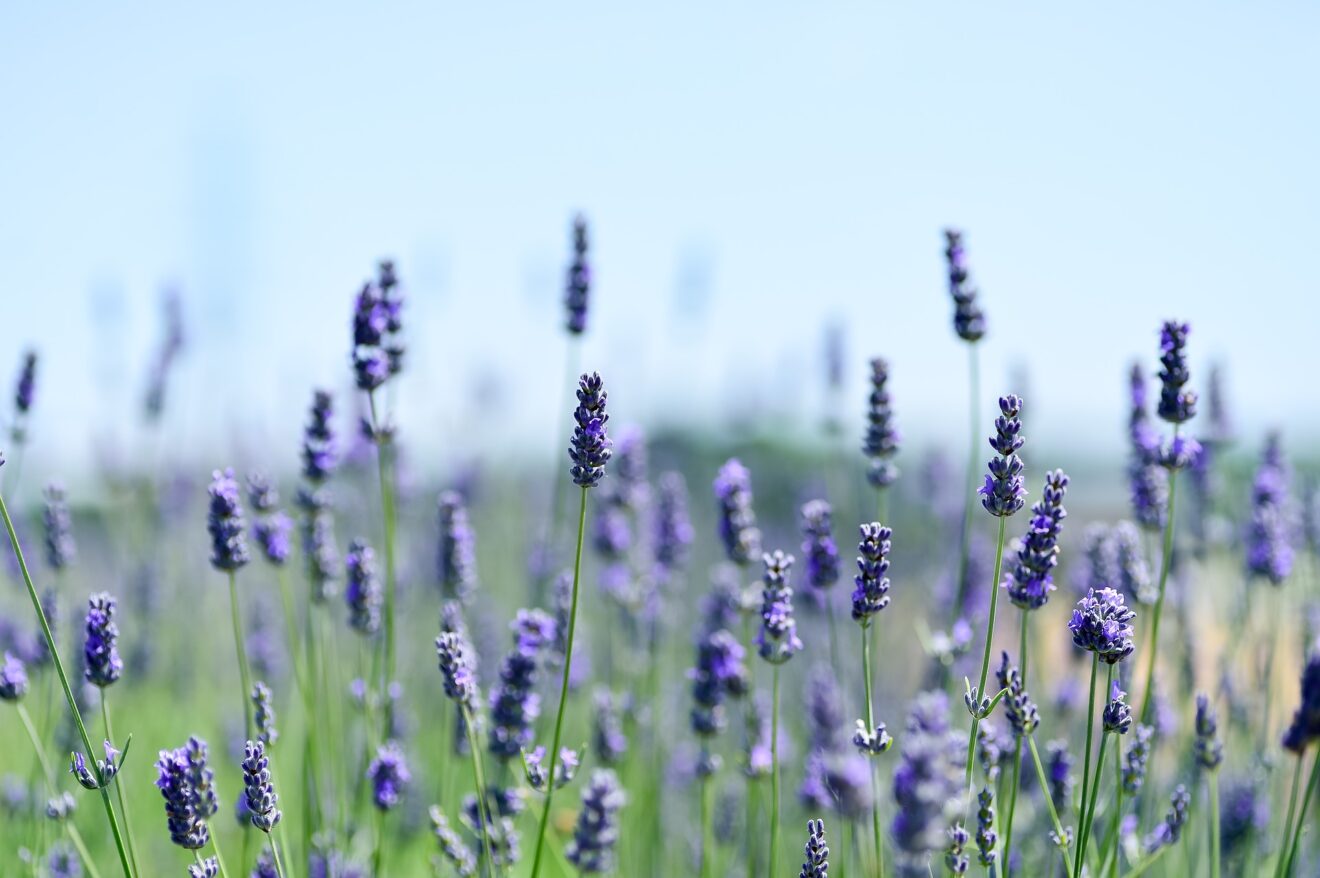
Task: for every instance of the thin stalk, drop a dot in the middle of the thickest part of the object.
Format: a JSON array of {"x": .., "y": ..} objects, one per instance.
[
  {"x": 985, "y": 658},
  {"x": 1292, "y": 809},
  {"x": 1012, "y": 802},
  {"x": 572, "y": 356},
  {"x": 973, "y": 463},
  {"x": 64, "y": 683},
  {"x": 1214, "y": 824},
  {"x": 1115, "y": 822},
  {"x": 1148, "y": 862},
  {"x": 119, "y": 788},
  {"x": 1301, "y": 817},
  {"x": 219, "y": 858},
  {"x": 385, "y": 469},
  {"x": 1095, "y": 791},
  {"x": 707, "y": 830},
  {"x": 378, "y": 855},
  {"x": 240, "y": 649},
  {"x": 1086, "y": 766},
  {"x": 563, "y": 687},
  {"x": 275, "y": 854},
  {"x": 479, "y": 778},
  {"x": 871, "y": 766},
  {"x": 749, "y": 828},
  {"x": 49, "y": 776},
  {"x": 774, "y": 772},
  {"x": 1049, "y": 802},
  {"x": 1165, "y": 560}
]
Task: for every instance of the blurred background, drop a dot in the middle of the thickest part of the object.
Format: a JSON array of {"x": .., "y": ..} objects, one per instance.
[{"x": 753, "y": 175}]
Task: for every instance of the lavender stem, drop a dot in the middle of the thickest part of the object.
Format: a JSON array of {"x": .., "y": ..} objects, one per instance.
[
  {"x": 119, "y": 787},
  {"x": 240, "y": 649},
  {"x": 985, "y": 658},
  {"x": 1086, "y": 765},
  {"x": 1165, "y": 561}
]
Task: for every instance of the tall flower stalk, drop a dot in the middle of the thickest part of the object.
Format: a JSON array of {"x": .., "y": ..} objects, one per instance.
[
  {"x": 776, "y": 644},
  {"x": 64, "y": 684},
  {"x": 589, "y": 451},
  {"x": 229, "y": 553},
  {"x": 455, "y": 656},
  {"x": 870, "y": 596},
  {"x": 1001, "y": 495},
  {"x": 1177, "y": 406},
  {"x": 881, "y": 441},
  {"x": 969, "y": 325}
]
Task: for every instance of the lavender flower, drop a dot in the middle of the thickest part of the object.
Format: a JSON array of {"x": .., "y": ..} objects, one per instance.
[
  {"x": 60, "y": 547},
  {"x": 1134, "y": 765},
  {"x": 1101, "y": 623},
  {"x": 839, "y": 782},
  {"x": 265, "y": 866},
  {"x": 968, "y": 320},
  {"x": 270, "y": 526},
  {"x": 362, "y": 591},
  {"x": 1209, "y": 748},
  {"x": 1148, "y": 482},
  {"x": 377, "y": 350},
  {"x": 456, "y": 667},
  {"x": 459, "y": 856},
  {"x": 1305, "y": 726},
  {"x": 1170, "y": 830},
  {"x": 986, "y": 837},
  {"x": 578, "y": 286},
  {"x": 1269, "y": 534},
  {"x": 590, "y": 448},
  {"x": 818, "y": 546},
  {"x": 1030, "y": 581},
  {"x": 738, "y": 531},
  {"x": 881, "y": 441},
  {"x": 264, "y": 714},
  {"x": 1058, "y": 773},
  {"x": 1117, "y": 715},
  {"x": 1177, "y": 404},
  {"x": 927, "y": 783},
  {"x": 1245, "y": 812},
  {"x": 13, "y": 678},
  {"x": 720, "y": 674},
  {"x": 608, "y": 743},
  {"x": 225, "y": 522},
  {"x": 105, "y": 771},
  {"x": 389, "y": 774},
  {"x": 25, "y": 388},
  {"x": 257, "y": 787},
  {"x": 673, "y": 526},
  {"x": 534, "y": 768},
  {"x": 200, "y": 777},
  {"x": 871, "y": 585},
  {"x": 514, "y": 704},
  {"x": 597, "y": 832},
  {"x": 817, "y": 864},
  {"x": 456, "y": 560},
  {"x": 1003, "y": 492},
  {"x": 62, "y": 861},
  {"x": 954, "y": 858},
  {"x": 777, "y": 640},
  {"x": 318, "y": 450},
  {"x": 103, "y": 664},
  {"x": 989, "y": 750},
  {"x": 61, "y": 806},
  {"x": 1018, "y": 706},
  {"x": 183, "y": 806},
  {"x": 208, "y": 868}
]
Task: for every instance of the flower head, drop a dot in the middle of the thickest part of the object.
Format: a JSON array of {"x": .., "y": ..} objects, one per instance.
[
  {"x": 578, "y": 285},
  {"x": 389, "y": 774},
  {"x": 456, "y": 560},
  {"x": 26, "y": 386},
  {"x": 1209, "y": 748},
  {"x": 270, "y": 526},
  {"x": 514, "y": 704},
  {"x": 818, "y": 546},
  {"x": 1117, "y": 715},
  {"x": 737, "y": 525},
  {"x": 720, "y": 674},
  {"x": 1134, "y": 765},
  {"x": 1168, "y": 832},
  {"x": 673, "y": 525},
  {"x": 1102, "y": 624},
  {"x": 225, "y": 522},
  {"x": 1269, "y": 548},
  {"x": 452, "y": 847},
  {"x": 318, "y": 448},
  {"x": 968, "y": 319},
  {"x": 592, "y": 846},
  {"x": 377, "y": 352},
  {"x": 13, "y": 678},
  {"x": 184, "y": 805},
  {"x": 456, "y": 667},
  {"x": 257, "y": 787},
  {"x": 1003, "y": 491},
  {"x": 1030, "y": 581},
  {"x": 590, "y": 447},
  {"x": 817, "y": 863},
  {"x": 778, "y": 638},
  {"x": 100, "y": 649},
  {"x": 362, "y": 590},
  {"x": 609, "y": 744},
  {"x": 1018, "y": 706},
  {"x": 881, "y": 441},
  {"x": 1177, "y": 404},
  {"x": 264, "y": 713},
  {"x": 986, "y": 837},
  {"x": 60, "y": 547}
]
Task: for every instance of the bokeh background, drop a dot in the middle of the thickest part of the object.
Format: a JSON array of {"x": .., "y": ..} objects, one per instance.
[{"x": 753, "y": 173}]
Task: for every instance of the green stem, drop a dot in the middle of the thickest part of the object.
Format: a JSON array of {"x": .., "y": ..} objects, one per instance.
[
  {"x": 563, "y": 687},
  {"x": 1301, "y": 817},
  {"x": 240, "y": 649},
  {"x": 1292, "y": 810},
  {"x": 985, "y": 657},
  {"x": 774, "y": 771},
  {"x": 871, "y": 767},
  {"x": 1095, "y": 791},
  {"x": 275, "y": 854},
  {"x": 1086, "y": 767},
  {"x": 119, "y": 788},
  {"x": 1049, "y": 802},
  {"x": 1165, "y": 561},
  {"x": 572, "y": 356},
  {"x": 479, "y": 778},
  {"x": 1214, "y": 824},
  {"x": 49, "y": 776},
  {"x": 707, "y": 830},
  {"x": 1148, "y": 862},
  {"x": 973, "y": 462},
  {"x": 1115, "y": 822},
  {"x": 384, "y": 465},
  {"x": 1012, "y": 802},
  {"x": 219, "y": 858},
  {"x": 378, "y": 856},
  {"x": 64, "y": 683}
]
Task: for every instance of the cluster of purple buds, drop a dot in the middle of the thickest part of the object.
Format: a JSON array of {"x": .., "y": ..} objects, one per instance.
[
  {"x": 673, "y": 525},
  {"x": 872, "y": 741},
  {"x": 968, "y": 319},
  {"x": 318, "y": 543},
  {"x": 60, "y": 547},
  {"x": 777, "y": 640},
  {"x": 578, "y": 285},
  {"x": 1018, "y": 706},
  {"x": 389, "y": 776},
  {"x": 955, "y": 860},
  {"x": 1147, "y": 479},
  {"x": 737, "y": 523},
  {"x": 319, "y": 456},
  {"x": 1305, "y": 726},
  {"x": 229, "y": 549},
  {"x": 928, "y": 778},
  {"x": 456, "y": 560},
  {"x": 590, "y": 446},
  {"x": 106, "y": 768},
  {"x": 23, "y": 393},
  {"x": 514, "y": 704},
  {"x": 270, "y": 526},
  {"x": 1117, "y": 715},
  {"x": 13, "y": 678},
  {"x": 871, "y": 585},
  {"x": 1177, "y": 404},
  {"x": 986, "y": 837},
  {"x": 989, "y": 750},
  {"x": 1031, "y": 580},
  {"x": 881, "y": 440},
  {"x": 377, "y": 324},
  {"x": 1208, "y": 747},
  {"x": 61, "y": 806},
  {"x": 103, "y": 665},
  {"x": 537, "y": 772},
  {"x": 185, "y": 783},
  {"x": 1003, "y": 491},
  {"x": 817, "y": 864},
  {"x": 1269, "y": 533},
  {"x": 720, "y": 674},
  {"x": 62, "y": 861},
  {"x": 597, "y": 831},
  {"x": 1170, "y": 831},
  {"x": 258, "y": 788},
  {"x": 456, "y": 667},
  {"x": 362, "y": 591},
  {"x": 263, "y": 709},
  {"x": 452, "y": 847},
  {"x": 609, "y": 744},
  {"x": 1058, "y": 773},
  {"x": 503, "y": 805},
  {"x": 1245, "y": 813},
  {"x": 1134, "y": 764},
  {"x": 1101, "y": 623},
  {"x": 818, "y": 546}
]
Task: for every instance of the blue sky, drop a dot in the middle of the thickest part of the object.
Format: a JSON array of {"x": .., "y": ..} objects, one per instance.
[{"x": 752, "y": 172}]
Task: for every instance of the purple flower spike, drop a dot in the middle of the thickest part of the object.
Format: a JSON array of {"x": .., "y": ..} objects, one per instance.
[
  {"x": 778, "y": 639},
  {"x": 318, "y": 450},
  {"x": 1305, "y": 727},
  {"x": 1003, "y": 492},
  {"x": 460, "y": 677},
  {"x": 389, "y": 775},
  {"x": 1269, "y": 533},
  {"x": 1018, "y": 706},
  {"x": 590, "y": 447},
  {"x": 673, "y": 526},
  {"x": 1147, "y": 479},
  {"x": 257, "y": 786},
  {"x": 26, "y": 386},
  {"x": 225, "y": 522},
  {"x": 881, "y": 442},
  {"x": 597, "y": 832},
  {"x": 1030, "y": 581},
  {"x": 871, "y": 585},
  {"x": 13, "y": 679},
  {"x": 456, "y": 559},
  {"x": 1117, "y": 716},
  {"x": 1102, "y": 624},
  {"x": 514, "y": 704},
  {"x": 737, "y": 525},
  {"x": 362, "y": 591},
  {"x": 270, "y": 526},
  {"x": 817, "y": 863},
  {"x": 720, "y": 674},
  {"x": 60, "y": 547},
  {"x": 968, "y": 319},
  {"x": 377, "y": 322},
  {"x": 1209, "y": 749},
  {"x": 183, "y": 814},
  {"x": 1177, "y": 404},
  {"x": 103, "y": 664},
  {"x": 818, "y": 546},
  {"x": 578, "y": 287}
]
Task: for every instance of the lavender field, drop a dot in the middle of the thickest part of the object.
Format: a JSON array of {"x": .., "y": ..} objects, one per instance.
[{"x": 312, "y": 661}]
